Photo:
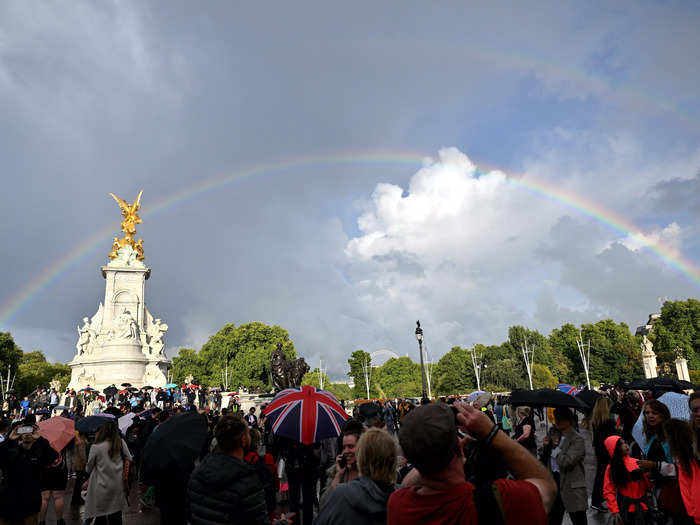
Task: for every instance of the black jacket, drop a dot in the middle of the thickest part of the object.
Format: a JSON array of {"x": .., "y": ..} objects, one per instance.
[
  {"x": 20, "y": 494},
  {"x": 226, "y": 490}
]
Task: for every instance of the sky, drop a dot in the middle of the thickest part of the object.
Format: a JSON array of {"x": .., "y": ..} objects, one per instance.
[{"x": 343, "y": 170}]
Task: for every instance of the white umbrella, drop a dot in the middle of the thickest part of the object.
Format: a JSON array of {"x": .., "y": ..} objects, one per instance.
[
  {"x": 125, "y": 422},
  {"x": 678, "y": 407}
]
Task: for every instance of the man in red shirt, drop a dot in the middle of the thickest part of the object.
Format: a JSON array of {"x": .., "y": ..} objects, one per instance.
[{"x": 436, "y": 491}]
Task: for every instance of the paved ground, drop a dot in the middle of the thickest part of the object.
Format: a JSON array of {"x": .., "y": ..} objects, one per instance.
[{"x": 135, "y": 516}]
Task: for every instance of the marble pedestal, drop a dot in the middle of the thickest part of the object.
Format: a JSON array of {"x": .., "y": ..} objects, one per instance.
[{"x": 114, "y": 363}]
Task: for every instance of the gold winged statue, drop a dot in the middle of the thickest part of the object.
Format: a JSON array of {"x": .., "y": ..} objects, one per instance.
[{"x": 131, "y": 219}]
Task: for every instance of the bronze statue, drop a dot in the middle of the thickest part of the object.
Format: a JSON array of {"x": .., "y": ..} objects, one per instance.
[
  {"x": 131, "y": 219},
  {"x": 285, "y": 373}
]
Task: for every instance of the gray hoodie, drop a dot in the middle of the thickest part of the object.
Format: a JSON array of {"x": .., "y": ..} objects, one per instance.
[{"x": 358, "y": 501}]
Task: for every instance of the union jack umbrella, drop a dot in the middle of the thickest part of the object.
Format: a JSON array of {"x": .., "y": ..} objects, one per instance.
[{"x": 306, "y": 414}]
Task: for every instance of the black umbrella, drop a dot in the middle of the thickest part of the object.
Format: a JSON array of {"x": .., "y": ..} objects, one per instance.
[
  {"x": 110, "y": 390},
  {"x": 114, "y": 411},
  {"x": 660, "y": 384},
  {"x": 132, "y": 389},
  {"x": 90, "y": 424},
  {"x": 176, "y": 444},
  {"x": 589, "y": 397},
  {"x": 126, "y": 384},
  {"x": 546, "y": 397},
  {"x": 147, "y": 387}
]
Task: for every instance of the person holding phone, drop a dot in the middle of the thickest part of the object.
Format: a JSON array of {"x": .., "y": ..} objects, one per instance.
[
  {"x": 23, "y": 456},
  {"x": 345, "y": 467}
]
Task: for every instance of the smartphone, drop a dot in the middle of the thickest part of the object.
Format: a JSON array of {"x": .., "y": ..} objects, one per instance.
[
  {"x": 343, "y": 462},
  {"x": 25, "y": 430}
]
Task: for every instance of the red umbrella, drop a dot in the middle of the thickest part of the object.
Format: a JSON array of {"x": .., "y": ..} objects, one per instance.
[
  {"x": 306, "y": 414},
  {"x": 233, "y": 394},
  {"x": 59, "y": 431}
]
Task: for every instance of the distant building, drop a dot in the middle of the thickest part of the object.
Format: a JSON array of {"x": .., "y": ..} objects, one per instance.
[{"x": 646, "y": 329}]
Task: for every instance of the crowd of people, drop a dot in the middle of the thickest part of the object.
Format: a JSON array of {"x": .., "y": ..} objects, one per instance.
[{"x": 453, "y": 460}]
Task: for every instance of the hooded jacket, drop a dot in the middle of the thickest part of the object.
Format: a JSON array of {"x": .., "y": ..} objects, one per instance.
[
  {"x": 690, "y": 488},
  {"x": 226, "y": 490},
  {"x": 358, "y": 501},
  {"x": 635, "y": 489}
]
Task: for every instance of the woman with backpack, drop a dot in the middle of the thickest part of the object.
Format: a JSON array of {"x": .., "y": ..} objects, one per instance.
[{"x": 626, "y": 485}]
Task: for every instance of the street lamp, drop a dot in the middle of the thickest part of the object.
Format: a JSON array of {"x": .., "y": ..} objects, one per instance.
[{"x": 419, "y": 337}]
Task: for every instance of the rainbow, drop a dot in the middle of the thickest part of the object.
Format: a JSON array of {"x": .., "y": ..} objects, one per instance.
[{"x": 546, "y": 190}]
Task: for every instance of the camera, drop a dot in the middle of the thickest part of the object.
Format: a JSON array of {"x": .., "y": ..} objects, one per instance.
[{"x": 25, "y": 430}]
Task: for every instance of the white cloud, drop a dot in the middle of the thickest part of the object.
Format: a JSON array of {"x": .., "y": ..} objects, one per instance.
[{"x": 668, "y": 239}]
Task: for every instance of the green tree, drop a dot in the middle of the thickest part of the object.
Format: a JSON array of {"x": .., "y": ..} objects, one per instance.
[
  {"x": 454, "y": 373},
  {"x": 359, "y": 362},
  {"x": 502, "y": 376},
  {"x": 615, "y": 353},
  {"x": 187, "y": 363},
  {"x": 542, "y": 377},
  {"x": 399, "y": 377},
  {"x": 247, "y": 348},
  {"x": 543, "y": 353},
  {"x": 678, "y": 327},
  {"x": 562, "y": 341},
  {"x": 341, "y": 391},
  {"x": 34, "y": 371},
  {"x": 313, "y": 378},
  {"x": 10, "y": 353}
]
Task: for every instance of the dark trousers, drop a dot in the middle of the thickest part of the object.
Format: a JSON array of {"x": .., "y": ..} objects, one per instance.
[
  {"x": 556, "y": 515},
  {"x": 110, "y": 519},
  {"x": 302, "y": 488},
  {"x": 597, "y": 495},
  {"x": 80, "y": 478}
]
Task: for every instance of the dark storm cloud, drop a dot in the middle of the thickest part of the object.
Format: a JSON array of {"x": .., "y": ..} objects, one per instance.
[{"x": 123, "y": 96}]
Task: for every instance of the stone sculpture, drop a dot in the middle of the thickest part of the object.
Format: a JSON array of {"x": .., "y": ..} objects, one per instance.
[
  {"x": 85, "y": 334},
  {"x": 126, "y": 326},
  {"x": 122, "y": 342},
  {"x": 285, "y": 373}
]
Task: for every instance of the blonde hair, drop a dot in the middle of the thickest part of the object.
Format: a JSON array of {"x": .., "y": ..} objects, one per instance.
[
  {"x": 523, "y": 412},
  {"x": 601, "y": 412},
  {"x": 377, "y": 455}
]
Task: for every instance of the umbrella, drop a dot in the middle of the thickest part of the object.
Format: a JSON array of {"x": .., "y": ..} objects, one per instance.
[
  {"x": 125, "y": 391},
  {"x": 132, "y": 389},
  {"x": 125, "y": 421},
  {"x": 171, "y": 385},
  {"x": 661, "y": 384},
  {"x": 147, "y": 387},
  {"x": 126, "y": 384},
  {"x": 110, "y": 390},
  {"x": 87, "y": 389},
  {"x": 546, "y": 397},
  {"x": 146, "y": 413},
  {"x": 305, "y": 414},
  {"x": 214, "y": 388},
  {"x": 568, "y": 389},
  {"x": 59, "y": 431},
  {"x": 233, "y": 394},
  {"x": 177, "y": 443},
  {"x": 114, "y": 411},
  {"x": 589, "y": 397},
  {"x": 678, "y": 407},
  {"x": 90, "y": 424},
  {"x": 61, "y": 407}
]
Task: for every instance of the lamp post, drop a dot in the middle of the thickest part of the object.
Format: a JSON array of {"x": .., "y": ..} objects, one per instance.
[{"x": 419, "y": 337}]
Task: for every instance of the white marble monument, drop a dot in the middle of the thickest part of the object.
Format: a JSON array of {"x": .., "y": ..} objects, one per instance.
[{"x": 122, "y": 342}]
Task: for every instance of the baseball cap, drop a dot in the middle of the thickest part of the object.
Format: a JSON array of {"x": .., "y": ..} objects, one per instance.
[{"x": 428, "y": 437}]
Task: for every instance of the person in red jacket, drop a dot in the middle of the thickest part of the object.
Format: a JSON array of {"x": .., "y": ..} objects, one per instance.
[
  {"x": 680, "y": 439},
  {"x": 626, "y": 485}
]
